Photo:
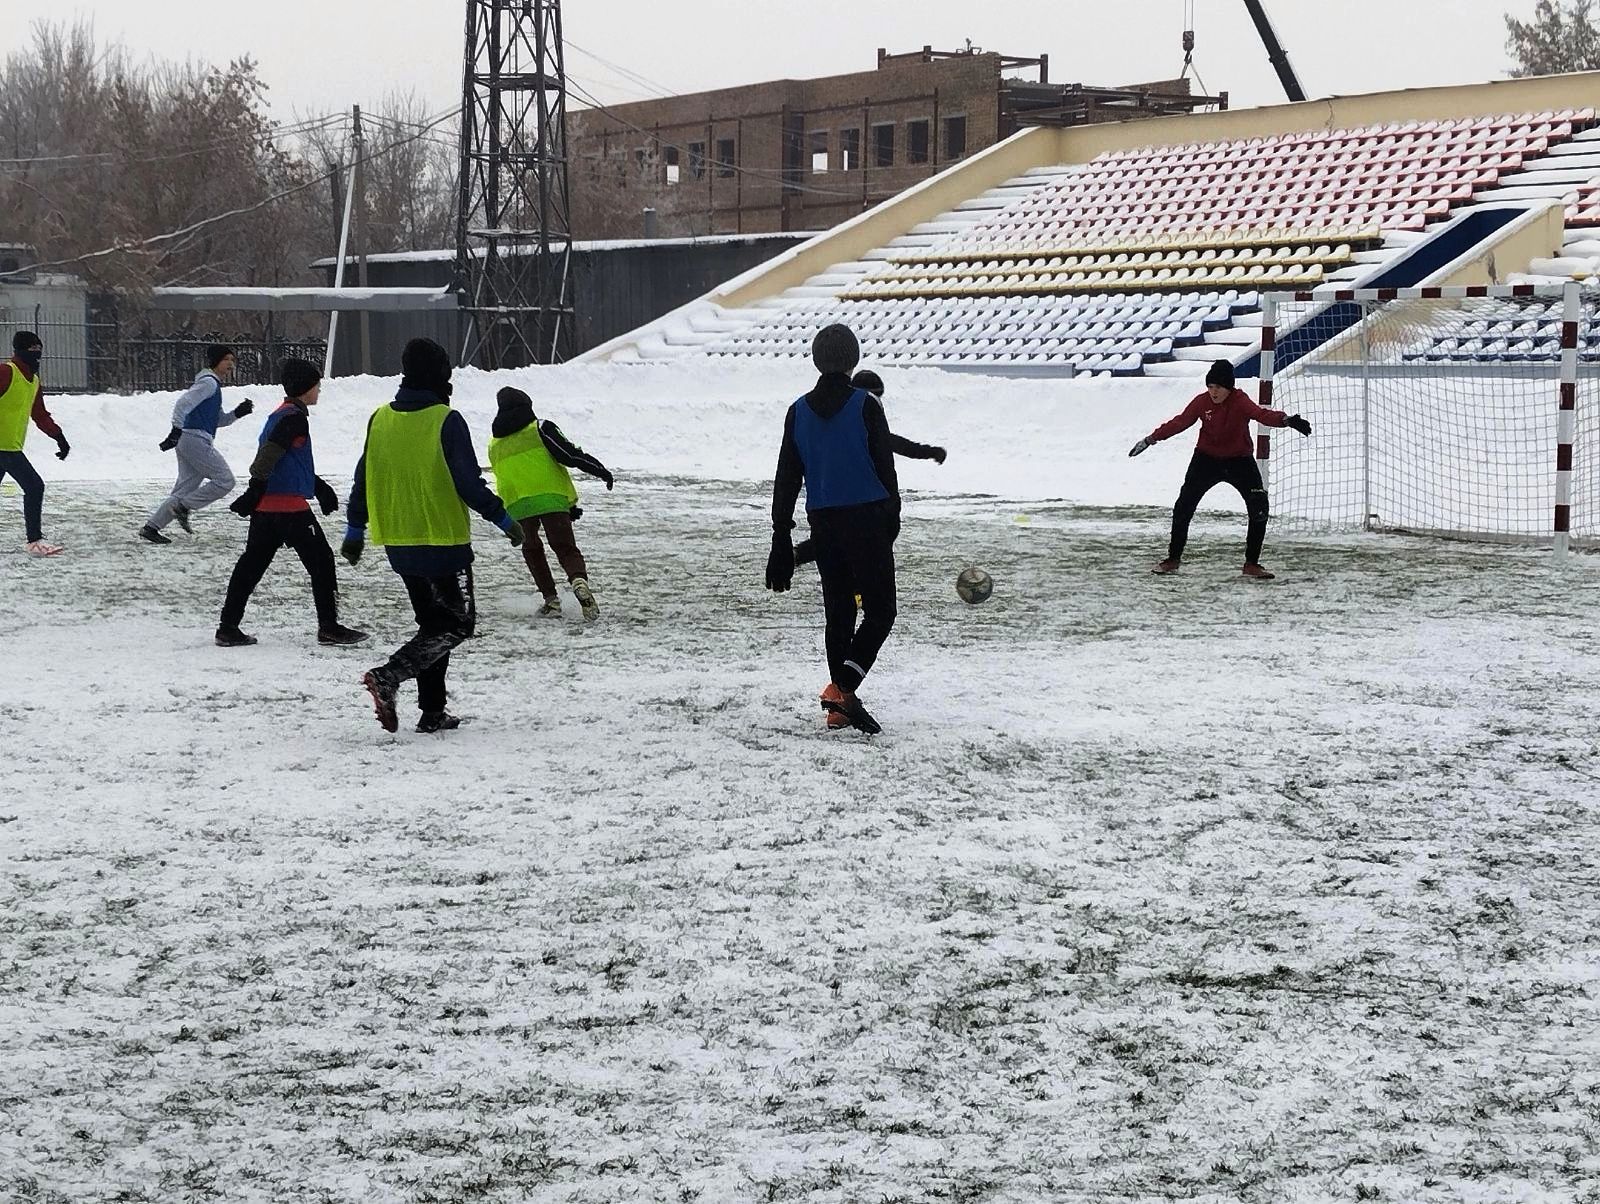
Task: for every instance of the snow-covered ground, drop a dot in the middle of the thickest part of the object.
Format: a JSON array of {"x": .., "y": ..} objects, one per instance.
[{"x": 1152, "y": 889}]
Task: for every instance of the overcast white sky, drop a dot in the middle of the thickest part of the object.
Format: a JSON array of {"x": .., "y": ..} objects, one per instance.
[{"x": 324, "y": 55}]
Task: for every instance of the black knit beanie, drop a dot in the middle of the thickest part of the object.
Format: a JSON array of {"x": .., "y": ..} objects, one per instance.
[
  {"x": 835, "y": 349},
  {"x": 25, "y": 340},
  {"x": 216, "y": 353},
  {"x": 425, "y": 365},
  {"x": 515, "y": 413},
  {"x": 870, "y": 381},
  {"x": 1221, "y": 374},
  {"x": 299, "y": 377}
]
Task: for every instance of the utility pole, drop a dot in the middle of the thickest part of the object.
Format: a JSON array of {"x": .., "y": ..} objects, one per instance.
[
  {"x": 361, "y": 238},
  {"x": 513, "y": 220},
  {"x": 338, "y": 274}
]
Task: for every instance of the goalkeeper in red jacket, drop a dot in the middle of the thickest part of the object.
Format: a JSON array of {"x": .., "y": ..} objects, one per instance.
[{"x": 1223, "y": 453}]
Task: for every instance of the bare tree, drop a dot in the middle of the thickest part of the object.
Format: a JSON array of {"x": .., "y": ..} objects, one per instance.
[
  {"x": 410, "y": 175},
  {"x": 100, "y": 153},
  {"x": 1560, "y": 38}
]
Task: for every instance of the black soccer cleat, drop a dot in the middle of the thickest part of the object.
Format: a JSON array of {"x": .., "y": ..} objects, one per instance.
[
  {"x": 182, "y": 513},
  {"x": 850, "y": 707},
  {"x": 383, "y": 689},
  {"x": 437, "y": 721},
  {"x": 150, "y": 535},
  {"x": 341, "y": 636},
  {"x": 232, "y": 637}
]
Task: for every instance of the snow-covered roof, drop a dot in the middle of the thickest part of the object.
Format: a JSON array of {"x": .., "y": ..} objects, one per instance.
[
  {"x": 597, "y": 244},
  {"x": 390, "y": 300}
]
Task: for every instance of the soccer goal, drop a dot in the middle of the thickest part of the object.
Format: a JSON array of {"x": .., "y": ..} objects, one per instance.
[{"x": 1464, "y": 411}]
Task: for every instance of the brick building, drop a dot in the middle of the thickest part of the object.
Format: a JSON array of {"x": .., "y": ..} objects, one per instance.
[{"x": 807, "y": 154}]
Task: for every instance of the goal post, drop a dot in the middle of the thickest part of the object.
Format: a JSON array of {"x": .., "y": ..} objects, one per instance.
[{"x": 1449, "y": 411}]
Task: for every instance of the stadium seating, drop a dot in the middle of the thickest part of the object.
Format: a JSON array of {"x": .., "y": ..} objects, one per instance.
[
  {"x": 1508, "y": 332},
  {"x": 1397, "y": 177},
  {"x": 1118, "y": 334},
  {"x": 1229, "y": 259},
  {"x": 1152, "y": 259}
]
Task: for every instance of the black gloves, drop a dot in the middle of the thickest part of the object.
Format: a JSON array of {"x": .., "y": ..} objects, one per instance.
[
  {"x": 1296, "y": 423},
  {"x": 609, "y": 480},
  {"x": 354, "y": 541},
  {"x": 245, "y": 504},
  {"x": 326, "y": 497},
  {"x": 1140, "y": 447},
  {"x": 780, "y": 563},
  {"x": 938, "y": 455},
  {"x": 171, "y": 441},
  {"x": 243, "y": 408},
  {"x": 62, "y": 447},
  {"x": 514, "y": 533},
  {"x": 575, "y": 513},
  {"x": 805, "y": 552}
]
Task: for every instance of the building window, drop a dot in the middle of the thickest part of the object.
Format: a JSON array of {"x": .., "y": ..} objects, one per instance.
[
  {"x": 917, "y": 141},
  {"x": 819, "y": 152},
  {"x": 849, "y": 150},
  {"x": 955, "y": 137},
  {"x": 883, "y": 145},
  {"x": 727, "y": 157},
  {"x": 674, "y": 173},
  {"x": 697, "y": 160}
]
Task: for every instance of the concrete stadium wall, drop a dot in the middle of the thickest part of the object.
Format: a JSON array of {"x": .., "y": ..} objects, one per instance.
[
  {"x": 617, "y": 288},
  {"x": 1539, "y": 234}
]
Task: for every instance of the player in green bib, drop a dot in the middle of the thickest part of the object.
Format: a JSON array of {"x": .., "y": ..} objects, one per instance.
[
  {"x": 530, "y": 460},
  {"x": 417, "y": 478},
  {"x": 22, "y": 402}
]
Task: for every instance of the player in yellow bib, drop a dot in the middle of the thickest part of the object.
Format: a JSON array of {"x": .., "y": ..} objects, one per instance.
[
  {"x": 417, "y": 478},
  {"x": 21, "y": 402},
  {"x": 530, "y": 460}
]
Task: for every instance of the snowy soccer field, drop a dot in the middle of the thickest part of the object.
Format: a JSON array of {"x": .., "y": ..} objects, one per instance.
[{"x": 1152, "y": 889}]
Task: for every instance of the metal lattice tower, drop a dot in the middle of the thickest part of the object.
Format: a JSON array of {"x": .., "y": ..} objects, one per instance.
[{"x": 513, "y": 227}]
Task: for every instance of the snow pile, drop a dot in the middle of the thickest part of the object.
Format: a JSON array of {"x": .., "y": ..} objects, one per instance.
[{"x": 1025, "y": 439}]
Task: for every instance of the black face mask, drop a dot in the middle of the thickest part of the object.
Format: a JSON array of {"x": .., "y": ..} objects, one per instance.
[{"x": 31, "y": 358}]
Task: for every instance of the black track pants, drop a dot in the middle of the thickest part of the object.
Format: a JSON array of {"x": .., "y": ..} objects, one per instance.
[
  {"x": 16, "y": 466},
  {"x": 855, "y": 555},
  {"x": 1206, "y": 472},
  {"x": 299, "y": 530},
  {"x": 446, "y": 615}
]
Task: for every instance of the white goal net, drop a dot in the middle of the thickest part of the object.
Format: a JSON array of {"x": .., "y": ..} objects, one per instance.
[{"x": 1437, "y": 414}]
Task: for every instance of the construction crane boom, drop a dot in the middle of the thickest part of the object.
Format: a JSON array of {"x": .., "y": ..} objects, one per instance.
[{"x": 1275, "y": 51}]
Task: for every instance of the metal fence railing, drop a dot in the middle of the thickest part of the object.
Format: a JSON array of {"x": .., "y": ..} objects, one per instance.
[
  {"x": 87, "y": 350},
  {"x": 150, "y": 361}
]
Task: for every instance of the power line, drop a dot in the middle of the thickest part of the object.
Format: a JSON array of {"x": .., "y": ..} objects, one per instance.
[
  {"x": 660, "y": 90},
  {"x": 299, "y": 128},
  {"x": 401, "y": 126},
  {"x": 193, "y": 227}
]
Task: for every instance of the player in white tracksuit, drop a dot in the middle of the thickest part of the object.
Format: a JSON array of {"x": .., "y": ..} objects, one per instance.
[{"x": 203, "y": 475}]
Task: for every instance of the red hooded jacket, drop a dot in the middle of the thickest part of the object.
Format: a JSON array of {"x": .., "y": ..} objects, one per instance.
[{"x": 1224, "y": 425}]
